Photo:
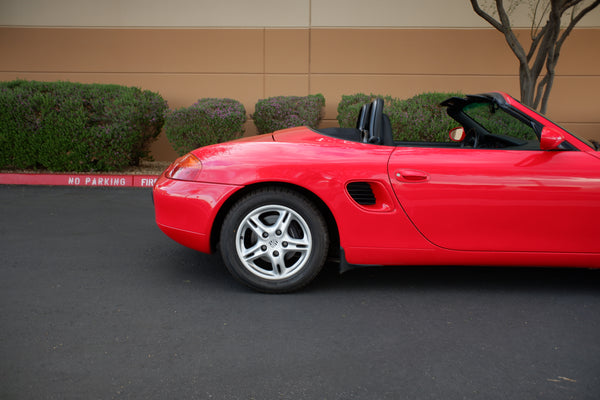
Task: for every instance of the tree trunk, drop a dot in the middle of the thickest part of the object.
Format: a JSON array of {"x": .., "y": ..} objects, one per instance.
[
  {"x": 547, "y": 90},
  {"x": 527, "y": 83}
]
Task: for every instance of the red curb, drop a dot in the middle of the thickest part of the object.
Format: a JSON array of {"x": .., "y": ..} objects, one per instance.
[{"x": 79, "y": 180}]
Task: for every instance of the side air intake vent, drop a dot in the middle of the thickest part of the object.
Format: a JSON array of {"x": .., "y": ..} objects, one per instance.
[{"x": 362, "y": 193}]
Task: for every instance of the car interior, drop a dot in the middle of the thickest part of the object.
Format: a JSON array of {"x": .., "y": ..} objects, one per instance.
[
  {"x": 484, "y": 123},
  {"x": 372, "y": 126}
]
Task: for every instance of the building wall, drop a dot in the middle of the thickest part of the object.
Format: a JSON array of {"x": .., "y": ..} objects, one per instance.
[{"x": 250, "y": 50}]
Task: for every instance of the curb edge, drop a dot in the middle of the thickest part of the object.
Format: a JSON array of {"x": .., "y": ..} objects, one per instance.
[{"x": 79, "y": 180}]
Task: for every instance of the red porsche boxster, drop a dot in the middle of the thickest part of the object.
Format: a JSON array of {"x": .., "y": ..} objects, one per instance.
[{"x": 509, "y": 188}]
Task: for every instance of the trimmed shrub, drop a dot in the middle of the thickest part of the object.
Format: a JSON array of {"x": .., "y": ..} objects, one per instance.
[
  {"x": 64, "y": 126},
  {"x": 422, "y": 119},
  {"x": 283, "y": 112},
  {"x": 417, "y": 119},
  {"x": 208, "y": 121}
]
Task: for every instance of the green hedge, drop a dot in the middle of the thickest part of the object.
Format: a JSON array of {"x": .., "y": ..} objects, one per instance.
[
  {"x": 417, "y": 119},
  {"x": 282, "y": 112},
  {"x": 64, "y": 126},
  {"x": 208, "y": 121}
]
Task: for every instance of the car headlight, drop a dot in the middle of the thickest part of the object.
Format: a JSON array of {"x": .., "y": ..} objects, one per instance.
[{"x": 186, "y": 168}]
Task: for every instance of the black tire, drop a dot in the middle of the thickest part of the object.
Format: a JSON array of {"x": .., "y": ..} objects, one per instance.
[{"x": 274, "y": 240}]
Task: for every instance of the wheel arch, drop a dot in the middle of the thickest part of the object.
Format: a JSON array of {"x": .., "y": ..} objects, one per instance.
[{"x": 334, "y": 240}]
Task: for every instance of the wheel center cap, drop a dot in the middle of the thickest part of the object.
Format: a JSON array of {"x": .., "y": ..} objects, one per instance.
[{"x": 273, "y": 243}]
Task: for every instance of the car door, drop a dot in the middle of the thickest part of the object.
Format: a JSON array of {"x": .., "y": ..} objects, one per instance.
[
  {"x": 499, "y": 191},
  {"x": 500, "y": 200}
]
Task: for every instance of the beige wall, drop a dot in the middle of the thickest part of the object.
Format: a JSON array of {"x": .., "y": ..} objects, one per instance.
[{"x": 332, "y": 47}]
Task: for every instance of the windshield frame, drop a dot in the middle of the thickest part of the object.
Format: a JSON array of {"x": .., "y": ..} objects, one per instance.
[{"x": 581, "y": 139}]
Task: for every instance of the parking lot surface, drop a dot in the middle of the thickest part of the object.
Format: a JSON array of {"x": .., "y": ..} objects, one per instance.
[{"x": 96, "y": 303}]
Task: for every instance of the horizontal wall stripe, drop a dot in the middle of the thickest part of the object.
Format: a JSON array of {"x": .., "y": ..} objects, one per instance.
[
  {"x": 336, "y": 51},
  {"x": 255, "y": 13},
  {"x": 132, "y": 50},
  {"x": 155, "y": 13},
  {"x": 422, "y": 51}
]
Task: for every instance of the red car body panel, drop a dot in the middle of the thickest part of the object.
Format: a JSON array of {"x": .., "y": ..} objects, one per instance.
[
  {"x": 188, "y": 207},
  {"x": 481, "y": 195},
  {"x": 434, "y": 206}
]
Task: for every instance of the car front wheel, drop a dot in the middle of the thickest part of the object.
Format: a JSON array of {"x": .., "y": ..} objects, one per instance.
[{"x": 274, "y": 240}]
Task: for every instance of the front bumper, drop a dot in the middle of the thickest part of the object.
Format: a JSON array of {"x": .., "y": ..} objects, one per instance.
[{"x": 185, "y": 211}]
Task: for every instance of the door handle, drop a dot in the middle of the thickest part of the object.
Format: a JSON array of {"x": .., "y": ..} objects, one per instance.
[{"x": 411, "y": 175}]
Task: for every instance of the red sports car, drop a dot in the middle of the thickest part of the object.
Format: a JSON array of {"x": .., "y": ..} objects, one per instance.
[{"x": 510, "y": 188}]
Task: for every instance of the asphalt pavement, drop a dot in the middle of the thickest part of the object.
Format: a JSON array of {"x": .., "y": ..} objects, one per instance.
[{"x": 96, "y": 303}]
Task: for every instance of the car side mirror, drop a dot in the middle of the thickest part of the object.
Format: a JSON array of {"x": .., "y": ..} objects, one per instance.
[
  {"x": 551, "y": 139},
  {"x": 458, "y": 134}
]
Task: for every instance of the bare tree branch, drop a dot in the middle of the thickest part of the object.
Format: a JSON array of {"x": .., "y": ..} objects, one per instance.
[
  {"x": 536, "y": 41},
  {"x": 503, "y": 26},
  {"x": 574, "y": 22},
  {"x": 568, "y": 4},
  {"x": 554, "y": 52},
  {"x": 546, "y": 43},
  {"x": 486, "y": 16}
]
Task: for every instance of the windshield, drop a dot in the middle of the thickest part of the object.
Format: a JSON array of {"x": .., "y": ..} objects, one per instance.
[{"x": 498, "y": 122}]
